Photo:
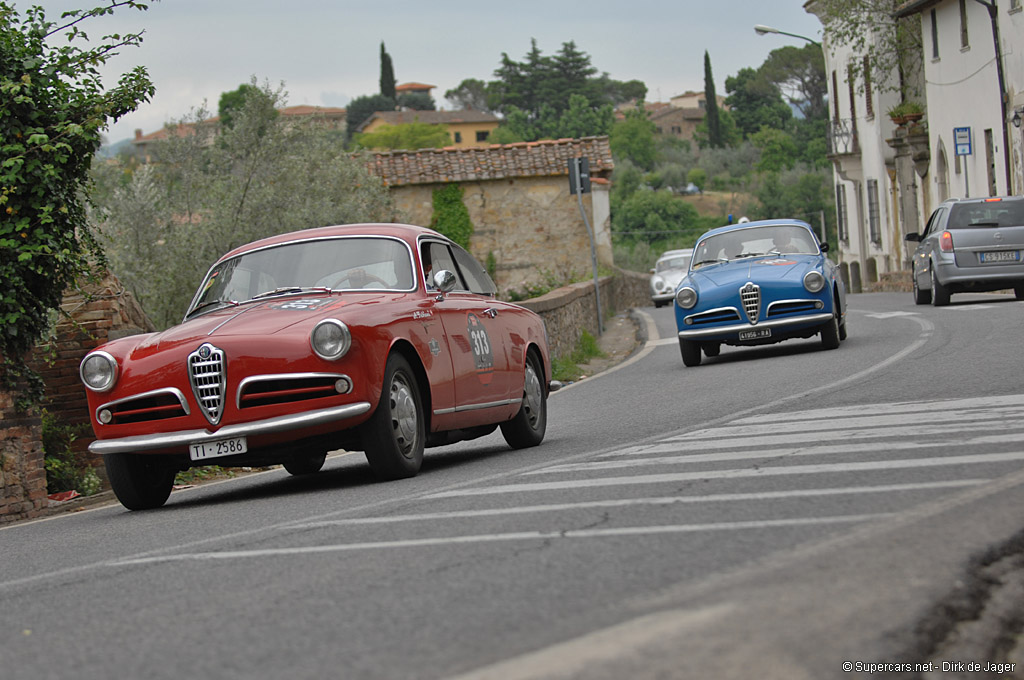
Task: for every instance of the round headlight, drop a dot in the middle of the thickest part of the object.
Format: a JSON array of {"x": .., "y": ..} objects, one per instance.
[
  {"x": 98, "y": 371},
  {"x": 686, "y": 297},
  {"x": 330, "y": 339},
  {"x": 659, "y": 283},
  {"x": 814, "y": 281}
]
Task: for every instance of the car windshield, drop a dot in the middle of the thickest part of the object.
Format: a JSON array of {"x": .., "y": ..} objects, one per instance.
[
  {"x": 994, "y": 213},
  {"x": 754, "y": 242},
  {"x": 680, "y": 262},
  {"x": 349, "y": 263}
]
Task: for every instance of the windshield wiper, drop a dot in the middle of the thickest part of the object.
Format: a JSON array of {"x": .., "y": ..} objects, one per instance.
[
  {"x": 288, "y": 290},
  {"x": 204, "y": 305}
]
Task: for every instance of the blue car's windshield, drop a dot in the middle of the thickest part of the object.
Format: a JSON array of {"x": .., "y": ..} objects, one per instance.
[{"x": 754, "y": 242}]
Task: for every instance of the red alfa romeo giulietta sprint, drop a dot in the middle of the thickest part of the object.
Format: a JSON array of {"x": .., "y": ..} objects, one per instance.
[{"x": 382, "y": 338}]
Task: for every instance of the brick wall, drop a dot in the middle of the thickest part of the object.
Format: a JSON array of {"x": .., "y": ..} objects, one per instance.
[
  {"x": 91, "y": 316},
  {"x": 22, "y": 476}
]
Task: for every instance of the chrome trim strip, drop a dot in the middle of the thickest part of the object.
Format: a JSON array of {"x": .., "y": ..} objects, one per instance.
[
  {"x": 477, "y": 407},
  {"x": 284, "y": 376},
  {"x": 149, "y": 442},
  {"x": 719, "y": 331},
  {"x": 795, "y": 301},
  {"x": 173, "y": 391},
  {"x": 717, "y": 310}
]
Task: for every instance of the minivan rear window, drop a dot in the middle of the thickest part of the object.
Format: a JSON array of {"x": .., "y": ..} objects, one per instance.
[{"x": 986, "y": 214}]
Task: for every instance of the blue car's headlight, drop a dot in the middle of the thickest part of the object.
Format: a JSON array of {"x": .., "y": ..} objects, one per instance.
[
  {"x": 686, "y": 297},
  {"x": 814, "y": 281}
]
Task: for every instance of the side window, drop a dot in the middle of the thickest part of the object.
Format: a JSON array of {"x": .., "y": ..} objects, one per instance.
[
  {"x": 475, "y": 276},
  {"x": 436, "y": 257},
  {"x": 933, "y": 222}
]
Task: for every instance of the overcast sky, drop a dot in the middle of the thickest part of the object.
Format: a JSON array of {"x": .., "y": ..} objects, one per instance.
[{"x": 326, "y": 52}]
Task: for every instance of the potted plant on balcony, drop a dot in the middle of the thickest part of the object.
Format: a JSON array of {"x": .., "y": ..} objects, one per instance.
[{"x": 906, "y": 112}]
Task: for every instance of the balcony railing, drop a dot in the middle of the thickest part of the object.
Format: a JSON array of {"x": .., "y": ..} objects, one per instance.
[{"x": 842, "y": 136}]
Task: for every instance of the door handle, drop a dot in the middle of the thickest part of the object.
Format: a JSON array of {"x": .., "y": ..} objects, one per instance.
[{"x": 491, "y": 312}]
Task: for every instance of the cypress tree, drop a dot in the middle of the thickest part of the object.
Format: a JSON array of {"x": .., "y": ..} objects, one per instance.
[
  {"x": 387, "y": 75},
  {"x": 711, "y": 106}
]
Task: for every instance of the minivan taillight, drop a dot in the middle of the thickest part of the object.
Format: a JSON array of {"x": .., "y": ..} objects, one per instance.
[{"x": 946, "y": 242}]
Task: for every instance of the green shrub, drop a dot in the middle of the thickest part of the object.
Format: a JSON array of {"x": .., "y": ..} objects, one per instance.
[
  {"x": 566, "y": 368},
  {"x": 451, "y": 217},
  {"x": 66, "y": 469}
]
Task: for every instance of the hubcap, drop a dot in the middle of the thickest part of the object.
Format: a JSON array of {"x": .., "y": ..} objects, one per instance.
[
  {"x": 403, "y": 415},
  {"x": 533, "y": 396}
]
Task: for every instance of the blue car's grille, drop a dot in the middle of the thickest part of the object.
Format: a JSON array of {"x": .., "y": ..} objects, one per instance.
[
  {"x": 714, "y": 316},
  {"x": 777, "y": 309},
  {"x": 206, "y": 373},
  {"x": 750, "y": 295}
]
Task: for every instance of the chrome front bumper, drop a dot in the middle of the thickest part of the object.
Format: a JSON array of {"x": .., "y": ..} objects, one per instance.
[
  {"x": 716, "y": 332},
  {"x": 166, "y": 440}
]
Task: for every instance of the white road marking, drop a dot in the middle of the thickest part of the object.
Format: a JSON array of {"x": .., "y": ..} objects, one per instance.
[
  {"x": 494, "y": 538},
  {"x": 638, "y": 502},
  {"x": 755, "y": 453},
  {"x": 890, "y": 315},
  {"x": 674, "y": 477}
]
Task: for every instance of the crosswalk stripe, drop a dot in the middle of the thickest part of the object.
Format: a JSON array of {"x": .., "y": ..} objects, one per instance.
[
  {"x": 635, "y": 460},
  {"x": 924, "y": 407},
  {"x": 673, "y": 477},
  {"x": 1000, "y": 419},
  {"x": 639, "y": 502},
  {"x": 492, "y": 538}
]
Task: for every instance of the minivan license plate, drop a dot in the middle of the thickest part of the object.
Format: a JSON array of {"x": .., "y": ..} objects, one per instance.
[
  {"x": 1001, "y": 256},
  {"x": 218, "y": 448},
  {"x": 756, "y": 334}
]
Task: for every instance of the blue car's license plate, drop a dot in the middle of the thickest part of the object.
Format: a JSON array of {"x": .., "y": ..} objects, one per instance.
[
  {"x": 1000, "y": 256},
  {"x": 756, "y": 334}
]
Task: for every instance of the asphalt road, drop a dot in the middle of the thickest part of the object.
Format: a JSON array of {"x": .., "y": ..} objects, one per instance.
[{"x": 772, "y": 513}]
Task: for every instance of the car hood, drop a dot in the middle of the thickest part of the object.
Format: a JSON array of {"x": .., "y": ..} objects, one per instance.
[
  {"x": 265, "y": 318},
  {"x": 761, "y": 270}
]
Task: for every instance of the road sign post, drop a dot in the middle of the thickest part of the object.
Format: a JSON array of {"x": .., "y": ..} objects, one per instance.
[
  {"x": 962, "y": 142},
  {"x": 579, "y": 184}
]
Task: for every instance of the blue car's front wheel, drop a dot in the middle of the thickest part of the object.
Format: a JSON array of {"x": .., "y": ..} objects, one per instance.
[{"x": 690, "y": 351}]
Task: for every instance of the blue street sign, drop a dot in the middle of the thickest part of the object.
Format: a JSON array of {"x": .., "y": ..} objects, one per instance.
[{"x": 962, "y": 140}]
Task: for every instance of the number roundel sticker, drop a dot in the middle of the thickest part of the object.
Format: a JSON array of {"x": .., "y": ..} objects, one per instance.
[{"x": 480, "y": 345}]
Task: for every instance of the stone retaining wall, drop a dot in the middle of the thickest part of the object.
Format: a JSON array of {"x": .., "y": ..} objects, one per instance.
[{"x": 570, "y": 310}]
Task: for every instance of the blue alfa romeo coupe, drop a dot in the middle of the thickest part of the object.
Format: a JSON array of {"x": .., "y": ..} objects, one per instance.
[{"x": 758, "y": 283}]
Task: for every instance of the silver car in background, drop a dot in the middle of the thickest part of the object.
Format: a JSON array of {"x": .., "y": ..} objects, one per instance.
[
  {"x": 668, "y": 271},
  {"x": 970, "y": 245}
]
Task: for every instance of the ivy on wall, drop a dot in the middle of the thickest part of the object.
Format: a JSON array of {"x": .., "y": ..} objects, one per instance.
[{"x": 451, "y": 217}]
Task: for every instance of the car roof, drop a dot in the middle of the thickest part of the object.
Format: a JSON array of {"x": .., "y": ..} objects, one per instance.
[
  {"x": 675, "y": 253},
  {"x": 405, "y": 232},
  {"x": 759, "y": 223}
]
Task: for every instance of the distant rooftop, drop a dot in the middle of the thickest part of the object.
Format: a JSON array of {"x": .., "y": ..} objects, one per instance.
[{"x": 544, "y": 158}]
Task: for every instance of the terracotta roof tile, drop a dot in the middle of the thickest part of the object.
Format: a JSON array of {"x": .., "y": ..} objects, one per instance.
[
  {"x": 498, "y": 161},
  {"x": 431, "y": 117}
]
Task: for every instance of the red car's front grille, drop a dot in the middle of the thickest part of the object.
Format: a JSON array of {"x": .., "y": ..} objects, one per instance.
[
  {"x": 283, "y": 389},
  {"x": 207, "y": 375},
  {"x": 159, "y": 405}
]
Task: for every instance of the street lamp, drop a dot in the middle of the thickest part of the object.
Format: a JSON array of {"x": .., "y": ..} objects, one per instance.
[{"x": 761, "y": 29}]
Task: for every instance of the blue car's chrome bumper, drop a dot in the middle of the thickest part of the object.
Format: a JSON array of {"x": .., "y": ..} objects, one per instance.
[{"x": 733, "y": 330}]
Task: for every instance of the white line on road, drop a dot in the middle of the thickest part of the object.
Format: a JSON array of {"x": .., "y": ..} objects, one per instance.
[
  {"x": 739, "y": 473},
  {"x": 494, "y": 538},
  {"x": 638, "y": 502}
]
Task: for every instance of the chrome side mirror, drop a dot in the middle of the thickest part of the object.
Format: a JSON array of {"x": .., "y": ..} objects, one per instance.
[{"x": 445, "y": 281}]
